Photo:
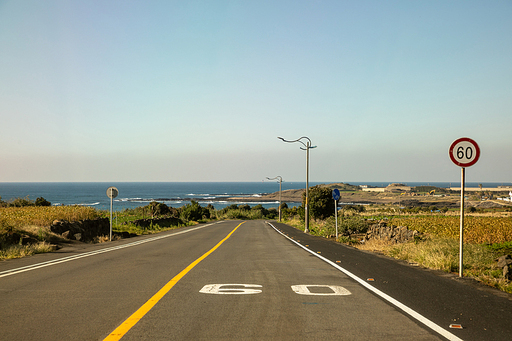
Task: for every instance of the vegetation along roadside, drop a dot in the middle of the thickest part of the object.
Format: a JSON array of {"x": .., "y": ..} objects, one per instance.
[{"x": 26, "y": 228}]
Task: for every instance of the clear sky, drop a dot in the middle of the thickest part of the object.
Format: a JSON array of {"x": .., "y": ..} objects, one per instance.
[{"x": 200, "y": 90}]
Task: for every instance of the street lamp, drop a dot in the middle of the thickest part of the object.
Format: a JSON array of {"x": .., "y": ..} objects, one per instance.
[
  {"x": 307, "y": 147},
  {"x": 280, "y": 180}
]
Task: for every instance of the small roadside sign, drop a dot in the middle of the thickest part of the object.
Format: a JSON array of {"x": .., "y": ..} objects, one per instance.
[
  {"x": 112, "y": 192},
  {"x": 336, "y": 194}
]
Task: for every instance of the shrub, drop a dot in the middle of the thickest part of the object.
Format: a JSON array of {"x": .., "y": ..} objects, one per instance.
[
  {"x": 21, "y": 202},
  {"x": 194, "y": 212},
  {"x": 42, "y": 202},
  {"x": 158, "y": 208},
  {"x": 262, "y": 211},
  {"x": 321, "y": 204}
]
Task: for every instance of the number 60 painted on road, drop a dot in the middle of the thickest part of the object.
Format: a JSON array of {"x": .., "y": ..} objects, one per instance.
[{"x": 247, "y": 289}]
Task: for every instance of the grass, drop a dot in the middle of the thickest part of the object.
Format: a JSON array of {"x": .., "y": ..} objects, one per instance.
[
  {"x": 16, "y": 217},
  {"x": 487, "y": 239},
  {"x": 19, "y": 251}
]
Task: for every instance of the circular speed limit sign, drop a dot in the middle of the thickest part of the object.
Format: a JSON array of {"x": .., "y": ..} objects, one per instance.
[{"x": 464, "y": 152}]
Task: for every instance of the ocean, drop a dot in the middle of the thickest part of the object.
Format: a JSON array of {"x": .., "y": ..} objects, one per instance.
[{"x": 175, "y": 194}]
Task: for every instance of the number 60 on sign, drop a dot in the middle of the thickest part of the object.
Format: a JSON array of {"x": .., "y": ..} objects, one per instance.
[{"x": 464, "y": 152}]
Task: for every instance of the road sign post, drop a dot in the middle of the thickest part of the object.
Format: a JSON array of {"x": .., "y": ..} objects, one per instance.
[
  {"x": 336, "y": 197},
  {"x": 112, "y": 192},
  {"x": 464, "y": 152}
]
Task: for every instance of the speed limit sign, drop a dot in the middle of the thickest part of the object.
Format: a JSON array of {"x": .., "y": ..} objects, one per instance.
[{"x": 464, "y": 152}]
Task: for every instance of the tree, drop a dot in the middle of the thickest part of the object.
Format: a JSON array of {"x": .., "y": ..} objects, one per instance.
[{"x": 321, "y": 203}]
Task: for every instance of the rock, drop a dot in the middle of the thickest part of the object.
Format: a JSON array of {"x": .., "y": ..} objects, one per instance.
[
  {"x": 396, "y": 234},
  {"x": 84, "y": 230},
  {"x": 27, "y": 240},
  {"x": 505, "y": 262},
  {"x": 507, "y": 273}
]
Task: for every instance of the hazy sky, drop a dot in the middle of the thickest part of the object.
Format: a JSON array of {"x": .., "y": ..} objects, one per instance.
[{"x": 200, "y": 90}]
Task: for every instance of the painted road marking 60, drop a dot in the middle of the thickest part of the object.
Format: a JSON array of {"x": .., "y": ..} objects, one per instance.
[
  {"x": 231, "y": 289},
  {"x": 247, "y": 289},
  {"x": 336, "y": 290}
]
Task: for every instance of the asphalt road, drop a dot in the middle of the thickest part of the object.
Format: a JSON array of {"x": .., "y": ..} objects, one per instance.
[{"x": 236, "y": 281}]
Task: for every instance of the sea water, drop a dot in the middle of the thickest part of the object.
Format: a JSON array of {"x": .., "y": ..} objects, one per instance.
[{"x": 175, "y": 194}]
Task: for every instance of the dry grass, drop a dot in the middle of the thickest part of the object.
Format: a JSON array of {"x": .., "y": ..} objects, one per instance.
[
  {"x": 477, "y": 230},
  {"x": 15, "y": 217},
  {"x": 440, "y": 250},
  {"x": 443, "y": 254},
  {"x": 34, "y": 222},
  {"x": 19, "y": 251}
]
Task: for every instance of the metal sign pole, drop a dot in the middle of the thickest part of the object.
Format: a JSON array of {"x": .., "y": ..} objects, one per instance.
[
  {"x": 111, "y": 203},
  {"x": 336, "y": 196},
  {"x": 336, "y": 216},
  {"x": 461, "y": 233}
]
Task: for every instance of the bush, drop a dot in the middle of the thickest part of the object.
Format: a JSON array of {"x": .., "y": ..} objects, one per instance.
[
  {"x": 194, "y": 212},
  {"x": 21, "y": 202},
  {"x": 158, "y": 208},
  {"x": 42, "y": 202},
  {"x": 262, "y": 210},
  {"x": 321, "y": 204},
  {"x": 351, "y": 225}
]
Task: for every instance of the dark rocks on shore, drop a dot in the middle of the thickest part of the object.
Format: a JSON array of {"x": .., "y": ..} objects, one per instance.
[{"x": 84, "y": 230}]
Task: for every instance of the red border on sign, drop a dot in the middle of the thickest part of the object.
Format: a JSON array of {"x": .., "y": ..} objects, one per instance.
[{"x": 477, "y": 149}]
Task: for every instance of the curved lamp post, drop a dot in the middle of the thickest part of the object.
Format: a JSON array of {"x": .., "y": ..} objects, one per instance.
[
  {"x": 280, "y": 180},
  {"x": 307, "y": 147}
]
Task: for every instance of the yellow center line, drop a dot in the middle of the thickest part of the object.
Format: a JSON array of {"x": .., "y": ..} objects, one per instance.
[{"x": 120, "y": 331}]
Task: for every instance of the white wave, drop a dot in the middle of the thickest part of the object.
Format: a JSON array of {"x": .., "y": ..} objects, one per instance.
[
  {"x": 127, "y": 199},
  {"x": 93, "y": 204},
  {"x": 251, "y": 202}
]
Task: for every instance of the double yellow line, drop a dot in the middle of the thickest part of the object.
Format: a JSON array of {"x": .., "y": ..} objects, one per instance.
[{"x": 120, "y": 331}]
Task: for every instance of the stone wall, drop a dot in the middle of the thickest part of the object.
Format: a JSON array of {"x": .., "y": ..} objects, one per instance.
[
  {"x": 84, "y": 230},
  {"x": 397, "y": 234}
]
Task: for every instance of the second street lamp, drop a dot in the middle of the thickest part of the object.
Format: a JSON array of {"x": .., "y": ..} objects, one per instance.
[
  {"x": 307, "y": 147},
  {"x": 280, "y": 181}
]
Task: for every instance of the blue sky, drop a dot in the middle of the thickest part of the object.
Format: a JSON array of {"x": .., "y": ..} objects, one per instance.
[{"x": 200, "y": 90}]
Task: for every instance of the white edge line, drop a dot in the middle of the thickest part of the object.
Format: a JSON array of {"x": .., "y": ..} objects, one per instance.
[
  {"x": 93, "y": 253},
  {"x": 376, "y": 291}
]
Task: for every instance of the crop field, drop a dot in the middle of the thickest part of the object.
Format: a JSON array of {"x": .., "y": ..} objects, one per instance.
[
  {"x": 18, "y": 217},
  {"x": 477, "y": 230}
]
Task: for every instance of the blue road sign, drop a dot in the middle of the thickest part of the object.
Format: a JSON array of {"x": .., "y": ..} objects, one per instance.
[{"x": 336, "y": 194}]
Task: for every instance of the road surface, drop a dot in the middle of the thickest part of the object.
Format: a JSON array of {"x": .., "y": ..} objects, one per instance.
[{"x": 235, "y": 280}]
